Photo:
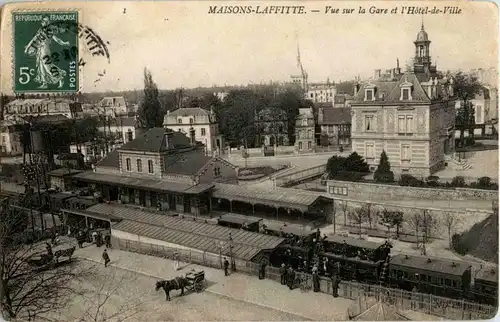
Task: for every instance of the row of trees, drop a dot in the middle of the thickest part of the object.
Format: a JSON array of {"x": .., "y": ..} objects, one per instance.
[
  {"x": 236, "y": 115},
  {"x": 422, "y": 222}
]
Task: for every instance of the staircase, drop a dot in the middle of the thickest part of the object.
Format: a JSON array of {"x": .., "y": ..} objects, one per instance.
[{"x": 458, "y": 164}]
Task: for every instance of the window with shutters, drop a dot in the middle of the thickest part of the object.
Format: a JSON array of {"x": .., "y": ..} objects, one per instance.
[
  {"x": 405, "y": 125},
  {"x": 370, "y": 151}
]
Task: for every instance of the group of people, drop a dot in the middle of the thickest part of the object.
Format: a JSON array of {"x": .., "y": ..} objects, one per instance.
[
  {"x": 289, "y": 278},
  {"x": 97, "y": 238}
]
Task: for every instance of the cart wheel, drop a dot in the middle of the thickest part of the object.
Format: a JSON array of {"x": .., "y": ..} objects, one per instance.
[{"x": 198, "y": 287}]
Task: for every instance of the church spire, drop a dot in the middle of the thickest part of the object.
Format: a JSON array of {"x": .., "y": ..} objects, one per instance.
[{"x": 422, "y": 22}]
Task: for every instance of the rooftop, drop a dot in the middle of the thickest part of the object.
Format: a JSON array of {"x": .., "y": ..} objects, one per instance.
[
  {"x": 355, "y": 242},
  {"x": 336, "y": 116},
  {"x": 430, "y": 264},
  {"x": 488, "y": 273},
  {"x": 239, "y": 219},
  {"x": 277, "y": 197},
  {"x": 156, "y": 184},
  {"x": 154, "y": 140},
  {"x": 189, "y": 233}
]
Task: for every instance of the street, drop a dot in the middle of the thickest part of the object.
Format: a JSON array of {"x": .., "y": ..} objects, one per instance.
[{"x": 122, "y": 293}]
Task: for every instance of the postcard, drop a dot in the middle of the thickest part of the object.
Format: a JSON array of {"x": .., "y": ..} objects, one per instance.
[{"x": 249, "y": 160}]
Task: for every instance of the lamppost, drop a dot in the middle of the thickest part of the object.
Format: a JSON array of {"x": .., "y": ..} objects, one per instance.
[{"x": 231, "y": 245}]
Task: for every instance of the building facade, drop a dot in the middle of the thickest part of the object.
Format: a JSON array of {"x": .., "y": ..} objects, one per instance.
[
  {"x": 123, "y": 129},
  {"x": 202, "y": 122},
  {"x": 113, "y": 106},
  {"x": 42, "y": 107},
  {"x": 161, "y": 169},
  {"x": 10, "y": 138},
  {"x": 305, "y": 137},
  {"x": 335, "y": 125},
  {"x": 321, "y": 93},
  {"x": 271, "y": 126},
  {"x": 409, "y": 116}
]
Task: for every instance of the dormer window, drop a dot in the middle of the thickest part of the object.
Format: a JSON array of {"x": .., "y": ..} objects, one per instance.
[
  {"x": 369, "y": 95},
  {"x": 191, "y": 121},
  {"x": 406, "y": 90},
  {"x": 370, "y": 92},
  {"x": 179, "y": 121}
]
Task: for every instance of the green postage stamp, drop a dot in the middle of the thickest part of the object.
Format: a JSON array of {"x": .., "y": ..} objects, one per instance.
[{"x": 45, "y": 51}]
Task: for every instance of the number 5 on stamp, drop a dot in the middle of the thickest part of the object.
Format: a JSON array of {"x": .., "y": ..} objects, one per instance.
[{"x": 45, "y": 51}]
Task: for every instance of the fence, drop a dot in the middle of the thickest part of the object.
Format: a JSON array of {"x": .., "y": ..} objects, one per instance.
[
  {"x": 297, "y": 176},
  {"x": 403, "y": 300}
]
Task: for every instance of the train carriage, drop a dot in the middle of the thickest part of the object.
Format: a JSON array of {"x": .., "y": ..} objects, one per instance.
[
  {"x": 353, "y": 247},
  {"x": 430, "y": 275},
  {"x": 485, "y": 286},
  {"x": 354, "y": 268}
]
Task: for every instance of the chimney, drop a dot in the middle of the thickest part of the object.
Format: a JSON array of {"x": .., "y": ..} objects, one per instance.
[
  {"x": 356, "y": 88},
  {"x": 192, "y": 138},
  {"x": 168, "y": 139},
  {"x": 393, "y": 73},
  {"x": 378, "y": 73},
  {"x": 320, "y": 115}
]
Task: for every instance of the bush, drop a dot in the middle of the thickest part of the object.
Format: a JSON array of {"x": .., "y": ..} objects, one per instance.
[
  {"x": 458, "y": 182},
  {"x": 349, "y": 176},
  {"x": 433, "y": 181},
  {"x": 383, "y": 172},
  {"x": 410, "y": 181},
  {"x": 354, "y": 163}
]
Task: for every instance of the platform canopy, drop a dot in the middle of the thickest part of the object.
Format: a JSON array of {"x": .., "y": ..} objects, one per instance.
[{"x": 380, "y": 311}]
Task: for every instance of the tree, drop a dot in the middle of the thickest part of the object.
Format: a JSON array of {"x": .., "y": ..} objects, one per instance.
[
  {"x": 150, "y": 112},
  {"x": 344, "y": 208},
  {"x": 450, "y": 221},
  {"x": 351, "y": 168},
  {"x": 465, "y": 88},
  {"x": 28, "y": 293},
  {"x": 383, "y": 172},
  {"x": 358, "y": 217},
  {"x": 391, "y": 219},
  {"x": 368, "y": 209},
  {"x": 423, "y": 222},
  {"x": 334, "y": 216}
]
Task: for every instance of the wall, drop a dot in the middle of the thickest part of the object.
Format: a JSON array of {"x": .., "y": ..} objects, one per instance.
[
  {"x": 144, "y": 157},
  {"x": 228, "y": 173},
  {"x": 373, "y": 191}
]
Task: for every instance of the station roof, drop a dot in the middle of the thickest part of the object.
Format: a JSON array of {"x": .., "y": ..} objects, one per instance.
[
  {"x": 431, "y": 264},
  {"x": 191, "y": 240},
  {"x": 141, "y": 183},
  {"x": 353, "y": 241},
  {"x": 239, "y": 219},
  {"x": 94, "y": 215},
  {"x": 215, "y": 232},
  {"x": 277, "y": 197}
]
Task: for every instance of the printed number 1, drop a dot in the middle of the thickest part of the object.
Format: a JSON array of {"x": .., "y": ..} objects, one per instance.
[{"x": 25, "y": 75}]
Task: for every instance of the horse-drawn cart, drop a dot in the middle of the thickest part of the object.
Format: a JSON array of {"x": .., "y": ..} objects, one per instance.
[{"x": 196, "y": 280}]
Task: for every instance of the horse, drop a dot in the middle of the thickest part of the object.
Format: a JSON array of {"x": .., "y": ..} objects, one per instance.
[
  {"x": 178, "y": 283},
  {"x": 68, "y": 252}
]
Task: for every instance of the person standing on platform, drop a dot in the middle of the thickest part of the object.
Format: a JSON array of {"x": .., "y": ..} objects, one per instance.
[
  {"x": 226, "y": 267},
  {"x": 335, "y": 285},
  {"x": 283, "y": 274},
  {"x": 262, "y": 270},
  {"x": 290, "y": 278},
  {"x": 106, "y": 258},
  {"x": 315, "y": 279}
]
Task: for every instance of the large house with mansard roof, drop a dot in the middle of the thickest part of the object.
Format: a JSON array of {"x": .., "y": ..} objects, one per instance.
[{"x": 411, "y": 116}]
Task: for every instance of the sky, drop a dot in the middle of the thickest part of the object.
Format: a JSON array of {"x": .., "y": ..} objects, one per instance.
[{"x": 184, "y": 46}]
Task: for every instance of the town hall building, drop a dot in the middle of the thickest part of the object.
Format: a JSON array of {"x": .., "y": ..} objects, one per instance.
[{"x": 411, "y": 116}]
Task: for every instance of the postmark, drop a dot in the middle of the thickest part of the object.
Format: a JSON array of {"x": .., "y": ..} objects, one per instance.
[{"x": 46, "y": 52}]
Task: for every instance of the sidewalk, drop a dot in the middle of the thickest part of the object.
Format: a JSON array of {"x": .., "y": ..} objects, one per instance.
[{"x": 265, "y": 293}]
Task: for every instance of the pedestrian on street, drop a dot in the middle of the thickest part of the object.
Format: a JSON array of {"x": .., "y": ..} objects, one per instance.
[
  {"x": 176, "y": 261},
  {"x": 262, "y": 270},
  {"x": 105, "y": 256},
  {"x": 335, "y": 285},
  {"x": 315, "y": 279},
  {"x": 226, "y": 267},
  {"x": 290, "y": 278},
  {"x": 94, "y": 237},
  {"x": 283, "y": 274},
  {"x": 107, "y": 238}
]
